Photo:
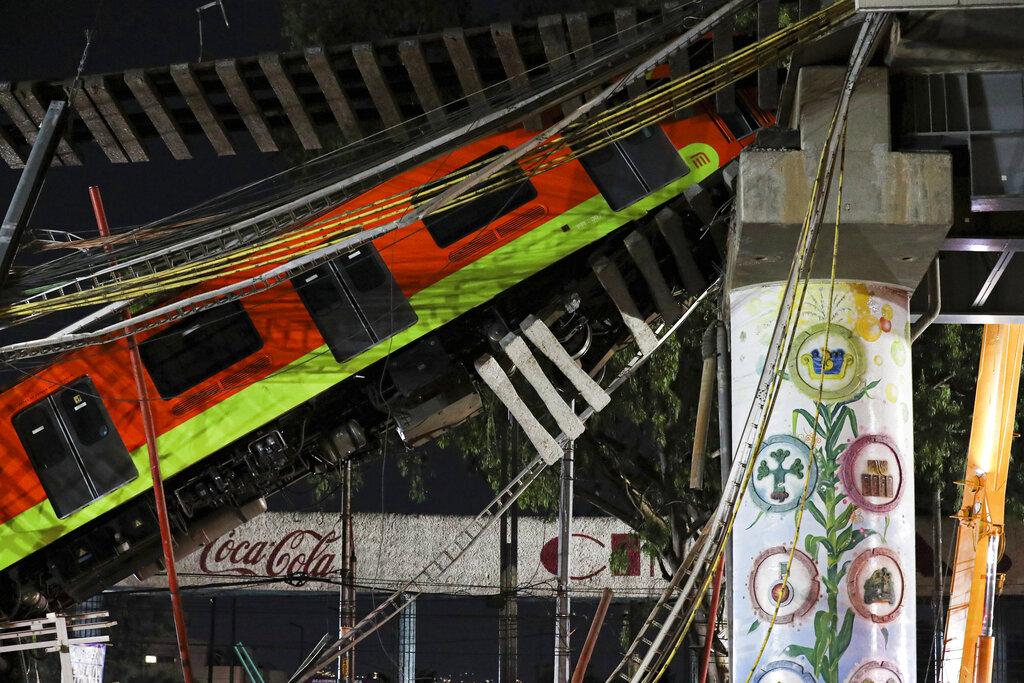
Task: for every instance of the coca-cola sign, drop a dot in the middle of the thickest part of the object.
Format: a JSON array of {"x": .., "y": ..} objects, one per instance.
[
  {"x": 391, "y": 549},
  {"x": 298, "y": 552}
]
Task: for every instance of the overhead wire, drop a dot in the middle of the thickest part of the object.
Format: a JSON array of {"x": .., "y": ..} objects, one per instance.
[
  {"x": 578, "y": 141},
  {"x": 357, "y": 163},
  {"x": 820, "y": 189}
]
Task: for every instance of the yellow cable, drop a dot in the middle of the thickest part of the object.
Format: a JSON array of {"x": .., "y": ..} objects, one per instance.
[{"x": 584, "y": 138}]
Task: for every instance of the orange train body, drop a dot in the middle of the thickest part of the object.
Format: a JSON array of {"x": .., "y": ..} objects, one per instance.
[{"x": 422, "y": 270}]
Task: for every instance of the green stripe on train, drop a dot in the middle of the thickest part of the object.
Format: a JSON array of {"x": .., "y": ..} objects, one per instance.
[{"x": 254, "y": 406}]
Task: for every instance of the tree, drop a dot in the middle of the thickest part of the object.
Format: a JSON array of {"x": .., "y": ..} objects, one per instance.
[
  {"x": 633, "y": 462},
  {"x": 945, "y": 373}
]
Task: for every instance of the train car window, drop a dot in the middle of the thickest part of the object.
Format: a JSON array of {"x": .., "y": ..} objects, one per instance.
[
  {"x": 197, "y": 348},
  {"x": 74, "y": 447},
  {"x": 355, "y": 302},
  {"x": 448, "y": 227},
  {"x": 334, "y": 314},
  {"x": 629, "y": 169}
]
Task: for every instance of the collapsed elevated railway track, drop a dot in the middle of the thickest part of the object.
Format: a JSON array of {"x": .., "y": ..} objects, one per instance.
[{"x": 228, "y": 466}]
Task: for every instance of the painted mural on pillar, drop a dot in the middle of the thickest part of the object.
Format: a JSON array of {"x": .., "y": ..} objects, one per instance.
[{"x": 839, "y": 606}]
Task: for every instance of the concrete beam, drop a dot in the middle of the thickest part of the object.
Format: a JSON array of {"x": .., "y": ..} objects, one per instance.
[
  {"x": 465, "y": 67},
  {"x": 678, "y": 61},
  {"x": 625, "y": 26},
  {"x": 99, "y": 129},
  {"x": 512, "y": 61},
  {"x": 120, "y": 126},
  {"x": 582, "y": 46},
  {"x": 552, "y": 37},
  {"x": 25, "y": 92},
  {"x": 290, "y": 100},
  {"x": 423, "y": 83},
  {"x": 201, "y": 109},
  {"x": 380, "y": 92},
  {"x": 578, "y": 24},
  {"x": 22, "y": 121},
  {"x": 141, "y": 85},
  {"x": 8, "y": 153},
  {"x": 323, "y": 72},
  {"x": 896, "y": 208},
  {"x": 252, "y": 116}
]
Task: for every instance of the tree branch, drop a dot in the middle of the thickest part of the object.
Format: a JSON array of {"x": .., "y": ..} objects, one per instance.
[{"x": 609, "y": 507}]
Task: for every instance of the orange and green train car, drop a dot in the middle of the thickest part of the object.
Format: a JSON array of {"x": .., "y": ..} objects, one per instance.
[{"x": 250, "y": 396}]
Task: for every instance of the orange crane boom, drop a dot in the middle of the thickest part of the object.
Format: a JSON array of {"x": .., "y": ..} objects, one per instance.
[{"x": 967, "y": 655}]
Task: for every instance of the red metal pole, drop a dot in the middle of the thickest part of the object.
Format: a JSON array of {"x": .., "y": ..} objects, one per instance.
[
  {"x": 595, "y": 628},
  {"x": 709, "y": 635},
  {"x": 154, "y": 470}
]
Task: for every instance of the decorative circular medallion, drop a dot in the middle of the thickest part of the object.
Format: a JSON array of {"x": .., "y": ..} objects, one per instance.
[
  {"x": 872, "y": 473},
  {"x": 796, "y": 597},
  {"x": 837, "y": 369},
  {"x": 876, "y": 672},
  {"x": 876, "y": 585},
  {"x": 780, "y": 471},
  {"x": 784, "y": 671}
]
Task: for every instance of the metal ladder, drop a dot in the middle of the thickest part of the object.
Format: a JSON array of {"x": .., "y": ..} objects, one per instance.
[
  {"x": 549, "y": 448},
  {"x": 666, "y": 624}
]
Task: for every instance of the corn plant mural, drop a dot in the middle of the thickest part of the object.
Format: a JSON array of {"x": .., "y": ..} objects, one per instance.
[
  {"x": 831, "y": 508},
  {"x": 838, "y": 607}
]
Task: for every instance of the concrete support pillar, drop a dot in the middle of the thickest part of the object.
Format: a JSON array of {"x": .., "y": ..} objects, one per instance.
[{"x": 846, "y": 612}]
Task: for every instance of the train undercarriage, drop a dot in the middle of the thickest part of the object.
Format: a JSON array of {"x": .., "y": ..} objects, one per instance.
[{"x": 412, "y": 396}]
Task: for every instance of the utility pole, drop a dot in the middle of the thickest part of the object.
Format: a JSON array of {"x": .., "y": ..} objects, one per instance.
[
  {"x": 347, "y": 592},
  {"x": 563, "y": 652},
  {"x": 938, "y": 613},
  {"x": 29, "y": 185},
  {"x": 508, "y": 618},
  {"x": 159, "y": 498}
]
